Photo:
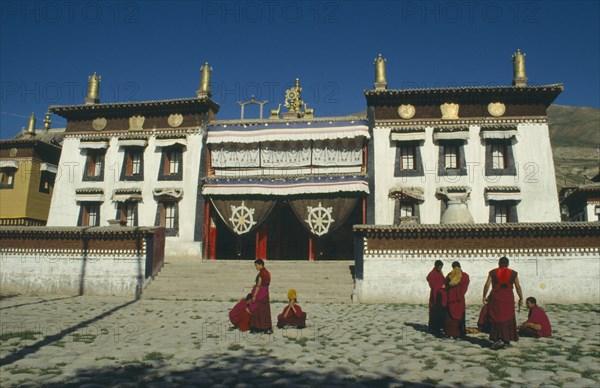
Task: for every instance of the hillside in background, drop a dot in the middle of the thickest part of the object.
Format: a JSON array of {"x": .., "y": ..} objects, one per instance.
[{"x": 575, "y": 138}]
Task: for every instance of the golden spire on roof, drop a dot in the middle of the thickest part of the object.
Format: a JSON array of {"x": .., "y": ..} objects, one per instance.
[
  {"x": 204, "y": 90},
  {"x": 47, "y": 121},
  {"x": 380, "y": 76},
  {"x": 519, "y": 76},
  {"x": 31, "y": 125},
  {"x": 93, "y": 89}
]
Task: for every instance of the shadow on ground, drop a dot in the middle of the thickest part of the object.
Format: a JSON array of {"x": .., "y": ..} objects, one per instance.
[{"x": 247, "y": 367}]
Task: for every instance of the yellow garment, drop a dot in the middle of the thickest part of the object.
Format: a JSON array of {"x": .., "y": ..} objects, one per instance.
[
  {"x": 455, "y": 276},
  {"x": 291, "y": 294}
]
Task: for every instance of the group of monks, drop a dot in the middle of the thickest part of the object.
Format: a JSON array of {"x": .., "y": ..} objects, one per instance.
[
  {"x": 447, "y": 305},
  {"x": 254, "y": 311}
]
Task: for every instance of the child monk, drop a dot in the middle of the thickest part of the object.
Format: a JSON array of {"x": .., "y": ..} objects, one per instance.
[{"x": 292, "y": 314}]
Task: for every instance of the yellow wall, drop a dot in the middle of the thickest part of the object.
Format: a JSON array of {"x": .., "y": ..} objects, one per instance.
[{"x": 24, "y": 200}]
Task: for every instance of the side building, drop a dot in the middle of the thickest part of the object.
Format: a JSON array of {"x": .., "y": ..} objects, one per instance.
[
  {"x": 461, "y": 155},
  {"x": 582, "y": 203},
  {"x": 28, "y": 170},
  {"x": 134, "y": 164}
]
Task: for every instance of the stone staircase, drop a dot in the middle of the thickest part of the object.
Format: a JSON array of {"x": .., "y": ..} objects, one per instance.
[{"x": 184, "y": 278}]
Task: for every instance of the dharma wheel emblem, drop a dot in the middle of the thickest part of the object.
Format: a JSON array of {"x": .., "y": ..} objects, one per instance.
[
  {"x": 242, "y": 218},
  {"x": 319, "y": 219}
]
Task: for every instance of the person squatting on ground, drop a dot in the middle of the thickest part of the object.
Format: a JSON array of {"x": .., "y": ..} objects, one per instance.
[
  {"x": 537, "y": 323},
  {"x": 292, "y": 315},
  {"x": 501, "y": 304},
  {"x": 437, "y": 299},
  {"x": 457, "y": 283}
]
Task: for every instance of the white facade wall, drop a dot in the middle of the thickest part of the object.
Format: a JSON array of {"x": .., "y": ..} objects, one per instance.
[
  {"x": 64, "y": 273},
  {"x": 535, "y": 176},
  {"x": 64, "y": 209},
  {"x": 550, "y": 275}
]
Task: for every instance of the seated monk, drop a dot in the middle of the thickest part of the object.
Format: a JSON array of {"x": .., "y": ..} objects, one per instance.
[
  {"x": 292, "y": 314},
  {"x": 239, "y": 315},
  {"x": 537, "y": 323}
]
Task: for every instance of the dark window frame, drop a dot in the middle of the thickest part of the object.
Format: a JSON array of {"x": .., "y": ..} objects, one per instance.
[
  {"x": 461, "y": 170},
  {"x": 84, "y": 213},
  {"x": 512, "y": 214},
  {"x": 159, "y": 219},
  {"x": 509, "y": 158},
  {"x": 127, "y": 169},
  {"x": 164, "y": 173},
  {"x": 91, "y": 154},
  {"x": 47, "y": 177},
  {"x": 417, "y": 159},
  {"x": 406, "y": 201},
  {"x": 7, "y": 172},
  {"x": 122, "y": 212}
]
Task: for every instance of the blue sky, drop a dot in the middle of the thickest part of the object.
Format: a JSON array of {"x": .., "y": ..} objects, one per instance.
[{"x": 153, "y": 50}]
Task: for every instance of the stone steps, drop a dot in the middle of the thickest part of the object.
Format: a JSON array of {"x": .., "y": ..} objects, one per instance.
[{"x": 194, "y": 279}]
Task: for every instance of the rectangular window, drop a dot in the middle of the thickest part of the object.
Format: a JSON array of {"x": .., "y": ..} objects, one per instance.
[
  {"x": 133, "y": 169},
  {"x": 498, "y": 156},
  {"x": 407, "y": 157},
  {"x": 169, "y": 215},
  {"x": 451, "y": 157},
  {"x": 94, "y": 168},
  {"x": 90, "y": 214},
  {"x": 502, "y": 212},
  {"x": 131, "y": 213},
  {"x": 171, "y": 163},
  {"x": 136, "y": 161},
  {"x": 173, "y": 157},
  {"x": 7, "y": 179},
  {"x": 47, "y": 181},
  {"x": 407, "y": 210}
]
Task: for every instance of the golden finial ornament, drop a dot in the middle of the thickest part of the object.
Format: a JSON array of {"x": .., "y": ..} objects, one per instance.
[
  {"x": 204, "y": 90},
  {"x": 47, "y": 121},
  {"x": 31, "y": 125},
  {"x": 380, "y": 76},
  {"x": 93, "y": 89},
  {"x": 519, "y": 76}
]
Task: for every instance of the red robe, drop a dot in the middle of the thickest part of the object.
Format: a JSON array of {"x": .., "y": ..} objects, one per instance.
[
  {"x": 501, "y": 307},
  {"x": 239, "y": 317},
  {"x": 437, "y": 301},
  {"x": 538, "y": 316},
  {"x": 455, "y": 321},
  {"x": 297, "y": 318},
  {"x": 261, "y": 307}
]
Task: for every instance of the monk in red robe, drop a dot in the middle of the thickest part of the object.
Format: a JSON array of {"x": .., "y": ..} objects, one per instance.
[
  {"x": 239, "y": 315},
  {"x": 457, "y": 283},
  {"x": 501, "y": 306},
  {"x": 537, "y": 323},
  {"x": 437, "y": 299},
  {"x": 292, "y": 314},
  {"x": 260, "y": 305}
]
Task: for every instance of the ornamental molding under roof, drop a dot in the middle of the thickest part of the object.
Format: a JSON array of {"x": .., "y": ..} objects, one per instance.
[
  {"x": 438, "y": 123},
  {"x": 465, "y": 90},
  {"x": 143, "y": 134}
]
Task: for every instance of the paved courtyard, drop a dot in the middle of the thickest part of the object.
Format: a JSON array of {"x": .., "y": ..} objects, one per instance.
[{"x": 108, "y": 341}]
